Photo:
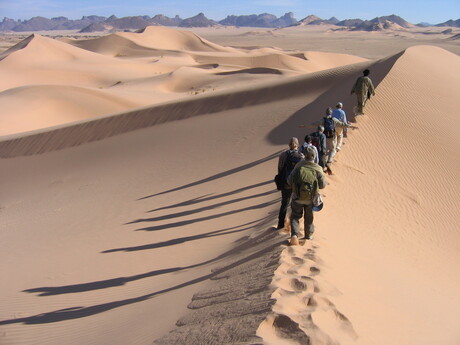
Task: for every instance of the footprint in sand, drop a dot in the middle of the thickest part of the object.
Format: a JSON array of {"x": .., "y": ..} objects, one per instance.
[
  {"x": 287, "y": 328},
  {"x": 314, "y": 270},
  {"x": 297, "y": 261},
  {"x": 298, "y": 285}
]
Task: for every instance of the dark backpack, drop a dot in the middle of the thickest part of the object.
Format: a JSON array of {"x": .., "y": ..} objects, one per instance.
[
  {"x": 329, "y": 128},
  {"x": 293, "y": 157}
]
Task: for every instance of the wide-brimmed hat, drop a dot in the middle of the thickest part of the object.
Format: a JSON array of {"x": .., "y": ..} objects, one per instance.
[{"x": 317, "y": 203}]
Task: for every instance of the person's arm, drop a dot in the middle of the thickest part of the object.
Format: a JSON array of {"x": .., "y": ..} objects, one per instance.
[
  {"x": 291, "y": 176},
  {"x": 321, "y": 180},
  {"x": 338, "y": 123},
  {"x": 322, "y": 143},
  {"x": 353, "y": 90},
  {"x": 316, "y": 154},
  {"x": 371, "y": 87}
]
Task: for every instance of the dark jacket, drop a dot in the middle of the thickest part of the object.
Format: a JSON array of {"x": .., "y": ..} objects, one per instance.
[
  {"x": 285, "y": 166},
  {"x": 322, "y": 142}
]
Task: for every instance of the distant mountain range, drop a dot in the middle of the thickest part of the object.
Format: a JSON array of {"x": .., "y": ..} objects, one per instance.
[{"x": 265, "y": 20}]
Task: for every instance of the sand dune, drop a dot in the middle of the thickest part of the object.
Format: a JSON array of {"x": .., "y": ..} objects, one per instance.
[
  {"x": 154, "y": 224},
  {"x": 392, "y": 219},
  {"x": 153, "y": 40},
  {"x": 140, "y": 69}
]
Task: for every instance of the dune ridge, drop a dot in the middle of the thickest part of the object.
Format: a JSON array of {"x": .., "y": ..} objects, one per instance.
[
  {"x": 405, "y": 208},
  {"x": 106, "y": 126}
]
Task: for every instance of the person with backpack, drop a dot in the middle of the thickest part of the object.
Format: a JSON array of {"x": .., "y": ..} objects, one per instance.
[
  {"x": 329, "y": 132},
  {"x": 330, "y": 126},
  {"x": 318, "y": 139},
  {"x": 340, "y": 115},
  {"x": 305, "y": 180},
  {"x": 286, "y": 163},
  {"x": 363, "y": 88}
]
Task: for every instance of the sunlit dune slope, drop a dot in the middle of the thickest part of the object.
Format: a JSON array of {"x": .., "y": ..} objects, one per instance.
[{"x": 385, "y": 263}]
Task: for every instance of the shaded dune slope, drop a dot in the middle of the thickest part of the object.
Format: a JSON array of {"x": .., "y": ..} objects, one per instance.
[{"x": 106, "y": 126}]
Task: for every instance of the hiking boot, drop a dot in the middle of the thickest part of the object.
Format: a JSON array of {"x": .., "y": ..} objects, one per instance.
[
  {"x": 294, "y": 241},
  {"x": 309, "y": 237},
  {"x": 279, "y": 227}
]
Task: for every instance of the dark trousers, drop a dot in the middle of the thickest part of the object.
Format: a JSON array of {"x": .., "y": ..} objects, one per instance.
[
  {"x": 297, "y": 211},
  {"x": 285, "y": 197},
  {"x": 322, "y": 160}
]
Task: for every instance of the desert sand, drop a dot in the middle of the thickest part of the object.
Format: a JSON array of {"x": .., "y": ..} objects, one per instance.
[{"x": 138, "y": 205}]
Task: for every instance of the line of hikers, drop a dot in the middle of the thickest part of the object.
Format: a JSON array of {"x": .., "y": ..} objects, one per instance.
[{"x": 301, "y": 168}]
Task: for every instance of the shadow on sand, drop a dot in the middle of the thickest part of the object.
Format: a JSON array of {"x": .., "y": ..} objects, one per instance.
[
  {"x": 243, "y": 258},
  {"x": 338, "y": 90},
  {"x": 217, "y": 176}
]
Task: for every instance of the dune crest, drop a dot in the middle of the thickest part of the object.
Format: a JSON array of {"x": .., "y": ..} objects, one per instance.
[{"x": 390, "y": 228}]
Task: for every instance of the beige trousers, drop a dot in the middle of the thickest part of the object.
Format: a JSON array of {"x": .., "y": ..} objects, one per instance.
[
  {"x": 339, "y": 137},
  {"x": 331, "y": 145}
]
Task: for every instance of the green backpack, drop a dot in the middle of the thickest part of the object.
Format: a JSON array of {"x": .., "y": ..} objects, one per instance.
[{"x": 307, "y": 183}]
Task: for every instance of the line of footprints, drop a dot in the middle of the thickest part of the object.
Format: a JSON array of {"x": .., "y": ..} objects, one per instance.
[{"x": 303, "y": 314}]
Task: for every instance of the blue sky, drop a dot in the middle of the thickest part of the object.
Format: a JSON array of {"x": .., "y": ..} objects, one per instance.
[{"x": 414, "y": 11}]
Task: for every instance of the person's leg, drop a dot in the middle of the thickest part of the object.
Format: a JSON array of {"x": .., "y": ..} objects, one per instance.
[
  {"x": 296, "y": 214},
  {"x": 359, "y": 110},
  {"x": 308, "y": 222},
  {"x": 285, "y": 197},
  {"x": 339, "y": 137},
  {"x": 330, "y": 143},
  {"x": 322, "y": 161}
]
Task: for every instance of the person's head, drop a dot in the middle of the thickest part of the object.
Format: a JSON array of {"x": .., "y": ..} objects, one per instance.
[
  {"x": 308, "y": 139},
  {"x": 328, "y": 111},
  {"x": 366, "y": 72},
  {"x": 321, "y": 129},
  {"x": 293, "y": 143},
  {"x": 339, "y": 105},
  {"x": 310, "y": 154}
]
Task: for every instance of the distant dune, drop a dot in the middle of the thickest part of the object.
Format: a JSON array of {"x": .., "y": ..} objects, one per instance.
[{"x": 82, "y": 79}]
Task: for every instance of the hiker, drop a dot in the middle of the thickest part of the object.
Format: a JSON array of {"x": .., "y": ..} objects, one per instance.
[
  {"x": 308, "y": 143},
  {"x": 306, "y": 179},
  {"x": 340, "y": 115},
  {"x": 363, "y": 89},
  {"x": 319, "y": 141},
  {"x": 286, "y": 163},
  {"x": 330, "y": 126}
]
